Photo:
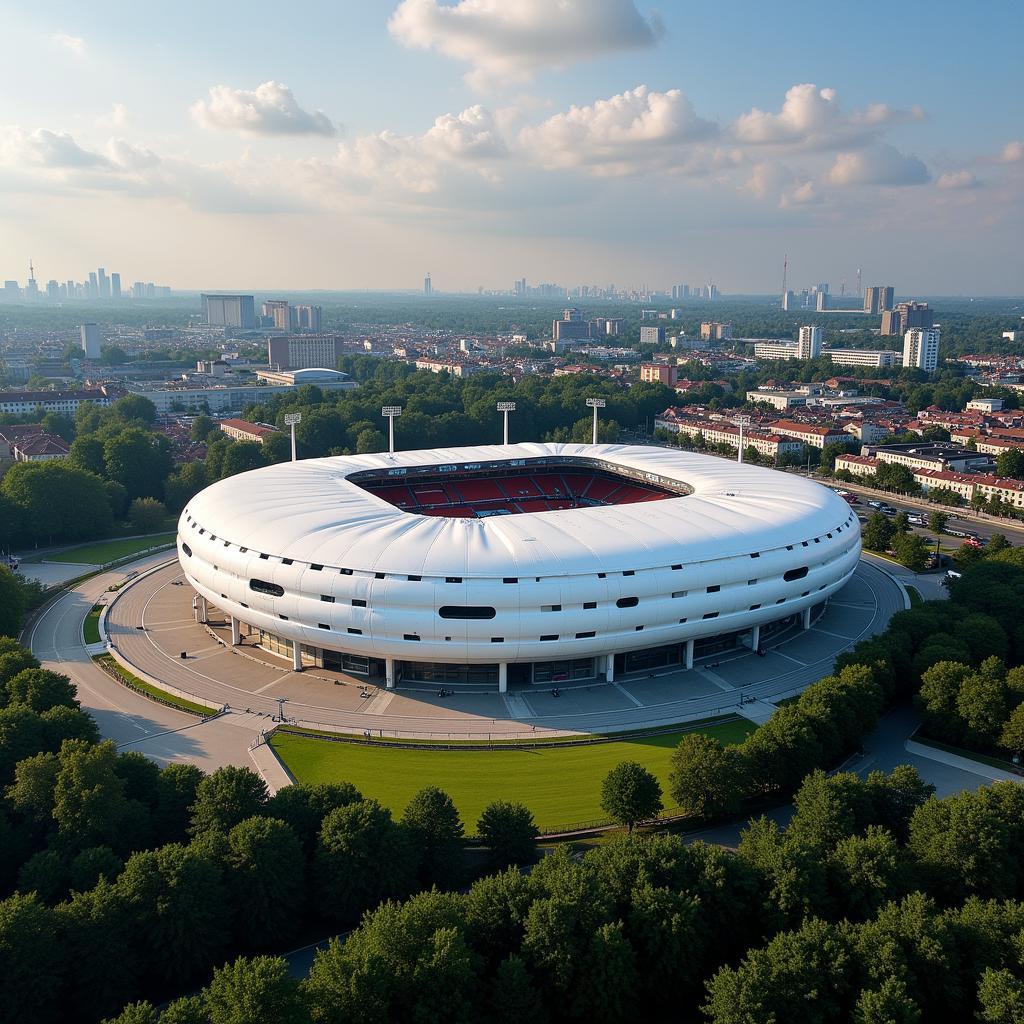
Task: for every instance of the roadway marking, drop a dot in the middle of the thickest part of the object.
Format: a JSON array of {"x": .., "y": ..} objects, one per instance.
[
  {"x": 714, "y": 677},
  {"x": 847, "y": 604},
  {"x": 625, "y": 693},
  {"x": 273, "y": 682},
  {"x": 797, "y": 661},
  {"x": 838, "y": 636},
  {"x": 168, "y": 622}
]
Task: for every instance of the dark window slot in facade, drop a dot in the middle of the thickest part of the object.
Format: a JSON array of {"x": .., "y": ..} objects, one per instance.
[
  {"x": 627, "y": 602},
  {"x": 345, "y": 572},
  {"x": 287, "y": 561},
  {"x": 358, "y": 602},
  {"x": 497, "y": 639},
  {"x": 711, "y": 615},
  {"x": 585, "y": 636},
  {"x": 602, "y": 575},
  {"x": 186, "y": 549},
  {"x": 378, "y": 575},
  {"x": 638, "y": 629},
  {"x": 243, "y": 604},
  {"x": 414, "y": 579},
  {"x": 755, "y": 554},
  {"x": 510, "y": 579},
  {"x": 677, "y": 566},
  {"x": 412, "y": 636},
  {"x": 243, "y": 550},
  {"x": 551, "y": 608},
  {"x": 263, "y": 587},
  {"x": 714, "y": 588},
  {"x": 227, "y": 543},
  {"x": 795, "y": 574},
  {"x": 265, "y": 557},
  {"x": 589, "y": 604},
  {"x": 453, "y": 579},
  {"x": 456, "y": 611},
  {"x": 628, "y": 572},
  {"x": 323, "y": 625},
  {"x": 316, "y": 568},
  {"x": 550, "y": 636},
  {"x": 354, "y": 631},
  {"x": 327, "y": 598},
  {"x": 751, "y": 583},
  {"x": 285, "y": 617}
]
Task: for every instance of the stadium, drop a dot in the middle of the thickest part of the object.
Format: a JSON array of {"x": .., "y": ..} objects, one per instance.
[{"x": 514, "y": 565}]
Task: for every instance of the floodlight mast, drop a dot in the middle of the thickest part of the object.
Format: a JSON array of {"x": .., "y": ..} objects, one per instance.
[
  {"x": 290, "y": 419},
  {"x": 741, "y": 422},
  {"x": 595, "y": 404},
  {"x": 391, "y": 411},
  {"x": 505, "y": 408}
]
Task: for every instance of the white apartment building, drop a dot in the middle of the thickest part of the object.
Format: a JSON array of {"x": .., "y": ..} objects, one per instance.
[
  {"x": 921, "y": 348},
  {"x": 781, "y": 400},
  {"x": 808, "y": 345},
  {"x": 725, "y": 433},
  {"x": 776, "y": 350},
  {"x": 878, "y": 358}
]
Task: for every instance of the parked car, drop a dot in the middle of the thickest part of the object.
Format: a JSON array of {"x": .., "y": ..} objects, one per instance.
[{"x": 915, "y": 520}]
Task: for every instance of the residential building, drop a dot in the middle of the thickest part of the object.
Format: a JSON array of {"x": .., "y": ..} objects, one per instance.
[
  {"x": 775, "y": 350},
  {"x": 809, "y": 342},
  {"x": 652, "y": 335},
  {"x": 20, "y": 403},
  {"x": 572, "y": 326},
  {"x": 896, "y": 322},
  {"x": 781, "y": 400},
  {"x": 878, "y": 298},
  {"x": 28, "y": 442},
  {"x": 921, "y": 348},
  {"x": 662, "y": 373},
  {"x": 278, "y": 313},
  {"x": 715, "y": 331},
  {"x": 229, "y": 311},
  {"x": 243, "y": 430},
  {"x": 447, "y": 366},
  {"x": 92, "y": 340},
  {"x": 306, "y": 318},
  {"x": 811, "y": 434},
  {"x": 941, "y": 455},
  {"x": 985, "y": 404},
  {"x": 863, "y": 357},
  {"x": 764, "y": 443},
  {"x": 304, "y": 352}
]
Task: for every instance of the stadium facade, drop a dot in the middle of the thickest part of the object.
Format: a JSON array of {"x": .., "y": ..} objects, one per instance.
[{"x": 529, "y": 563}]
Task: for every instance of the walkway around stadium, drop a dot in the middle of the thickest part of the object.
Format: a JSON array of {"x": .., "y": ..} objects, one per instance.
[{"x": 734, "y": 682}]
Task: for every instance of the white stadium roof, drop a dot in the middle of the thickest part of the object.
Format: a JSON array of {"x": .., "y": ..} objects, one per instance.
[{"x": 311, "y": 512}]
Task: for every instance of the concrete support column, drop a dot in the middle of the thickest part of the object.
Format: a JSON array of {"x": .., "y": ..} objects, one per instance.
[
  {"x": 502, "y": 677},
  {"x": 296, "y": 656},
  {"x": 609, "y": 668},
  {"x": 689, "y": 654},
  {"x": 236, "y": 632},
  {"x": 807, "y": 618},
  {"x": 203, "y": 610},
  {"x": 755, "y": 638},
  {"x": 389, "y": 673}
]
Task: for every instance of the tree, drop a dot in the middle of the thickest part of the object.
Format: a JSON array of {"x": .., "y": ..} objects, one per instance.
[
  {"x": 265, "y": 880},
  {"x": 57, "y": 499},
  {"x": 865, "y": 872},
  {"x": 147, "y": 515},
  {"x": 1001, "y": 996},
  {"x": 705, "y": 778},
  {"x": 134, "y": 408},
  {"x": 304, "y": 806},
  {"x": 242, "y": 456},
  {"x": 937, "y": 522},
  {"x": 514, "y": 996},
  {"x": 509, "y": 832},
  {"x": 202, "y": 426},
  {"x": 176, "y": 793},
  {"x": 361, "y": 858},
  {"x": 912, "y": 551},
  {"x": 260, "y": 989},
  {"x": 901, "y": 522},
  {"x": 981, "y": 704},
  {"x": 112, "y": 355},
  {"x": 1010, "y": 463},
  {"x": 12, "y": 603},
  {"x": 630, "y": 793},
  {"x": 887, "y": 1004},
  {"x": 1012, "y": 736},
  {"x": 877, "y": 533},
  {"x": 32, "y": 957},
  {"x": 40, "y": 690},
  {"x": 277, "y": 447},
  {"x": 138, "y": 460},
  {"x": 435, "y": 829},
  {"x": 183, "y": 484},
  {"x": 226, "y": 797}
]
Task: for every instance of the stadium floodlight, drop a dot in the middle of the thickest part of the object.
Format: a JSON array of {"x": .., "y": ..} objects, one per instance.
[
  {"x": 505, "y": 408},
  {"x": 595, "y": 404},
  {"x": 391, "y": 411},
  {"x": 741, "y": 422},
  {"x": 290, "y": 419}
]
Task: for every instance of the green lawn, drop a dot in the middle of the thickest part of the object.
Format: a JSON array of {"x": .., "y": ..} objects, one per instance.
[
  {"x": 135, "y": 683},
  {"x": 91, "y": 627},
  {"x": 110, "y": 550},
  {"x": 560, "y": 784}
]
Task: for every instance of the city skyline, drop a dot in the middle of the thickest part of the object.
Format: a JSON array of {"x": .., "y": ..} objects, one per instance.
[{"x": 600, "y": 144}]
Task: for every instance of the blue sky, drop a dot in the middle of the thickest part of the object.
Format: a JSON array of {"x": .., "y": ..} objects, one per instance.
[{"x": 358, "y": 144}]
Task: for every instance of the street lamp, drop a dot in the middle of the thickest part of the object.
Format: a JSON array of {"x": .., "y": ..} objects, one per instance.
[
  {"x": 391, "y": 411},
  {"x": 280, "y": 708},
  {"x": 505, "y": 408},
  {"x": 741, "y": 422},
  {"x": 595, "y": 404},
  {"x": 290, "y": 419}
]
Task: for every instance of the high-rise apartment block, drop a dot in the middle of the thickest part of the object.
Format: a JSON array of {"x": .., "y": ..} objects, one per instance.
[
  {"x": 572, "y": 326},
  {"x": 428, "y": 287},
  {"x": 92, "y": 341},
  {"x": 714, "y": 331},
  {"x": 659, "y": 373},
  {"x": 306, "y": 318},
  {"x": 278, "y": 313},
  {"x": 808, "y": 344},
  {"x": 896, "y": 322},
  {"x": 652, "y": 336},
  {"x": 115, "y": 286},
  {"x": 227, "y": 310},
  {"x": 787, "y": 300},
  {"x": 878, "y": 298},
  {"x": 921, "y": 348}
]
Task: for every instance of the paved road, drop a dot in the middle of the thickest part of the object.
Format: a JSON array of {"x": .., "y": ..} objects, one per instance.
[
  {"x": 219, "y": 676},
  {"x": 129, "y": 719}
]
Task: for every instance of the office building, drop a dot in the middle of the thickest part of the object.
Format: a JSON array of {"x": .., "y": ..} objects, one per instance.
[
  {"x": 809, "y": 343},
  {"x": 906, "y": 315},
  {"x": 115, "y": 286},
  {"x": 572, "y": 326},
  {"x": 427, "y": 286},
  {"x": 91, "y": 340},
  {"x": 304, "y": 352},
  {"x": 103, "y": 283},
  {"x": 53, "y": 291},
  {"x": 878, "y": 298},
  {"x": 821, "y": 302},
  {"x": 787, "y": 300},
  {"x": 680, "y": 291},
  {"x": 921, "y": 348},
  {"x": 227, "y": 310},
  {"x": 652, "y": 335}
]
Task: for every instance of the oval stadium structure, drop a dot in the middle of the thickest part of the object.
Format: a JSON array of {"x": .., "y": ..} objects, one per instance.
[{"x": 528, "y": 563}]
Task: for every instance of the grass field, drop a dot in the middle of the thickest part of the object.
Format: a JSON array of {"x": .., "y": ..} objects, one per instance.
[
  {"x": 560, "y": 784},
  {"x": 110, "y": 550},
  {"x": 153, "y": 691},
  {"x": 91, "y": 626}
]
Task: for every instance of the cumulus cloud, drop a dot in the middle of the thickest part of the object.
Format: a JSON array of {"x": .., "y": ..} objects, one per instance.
[
  {"x": 1013, "y": 153},
  {"x": 44, "y": 149},
  {"x": 877, "y": 165},
  {"x": 75, "y": 44},
  {"x": 776, "y": 182},
  {"x": 957, "y": 179},
  {"x": 628, "y": 132},
  {"x": 813, "y": 118},
  {"x": 269, "y": 109},
  {"x": 508, "y": 41}
]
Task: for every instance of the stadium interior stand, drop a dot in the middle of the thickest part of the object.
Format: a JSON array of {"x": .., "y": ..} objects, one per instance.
[{"x": 512, "y": 493}]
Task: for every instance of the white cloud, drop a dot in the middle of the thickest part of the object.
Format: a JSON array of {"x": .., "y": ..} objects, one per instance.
[
  {"x": 269, "y": 109},
  {"x": 1013, "y": 153},
  {"x": 116, "y": 117},
  {"x": 776, "y": 182},
  {"x": 877, "y": 165},
  {"x": 957, "y": 179},
  {"x": 75, "y": 44},
  {"x": 621, "y": 135},
  {"x": 509, "y": 40},
  {"x": 44, "y": 149},
  {"x": 813, "y": 118}
]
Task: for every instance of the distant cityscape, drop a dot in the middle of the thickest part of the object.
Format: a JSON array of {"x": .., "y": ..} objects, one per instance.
[{"x": 97, "y": 286}]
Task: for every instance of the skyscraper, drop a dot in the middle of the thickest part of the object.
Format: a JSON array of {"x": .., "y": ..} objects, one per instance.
[
  {"x": 808, "y": 345},
  {"x": 115, "y": 286},
  {"x": 896, "y": 322},
  {"x": 878, "y": 298},
  {"x": 92, "y": 290},
  {"x": 921, "y": 348},
  {"x": 427, "y": 286},
  {"x": 104, "y": 283},
  {"x": 91, "y": 340},
  {"x": 787, "y": 300},
  {"x": 277, "y": 310}
]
